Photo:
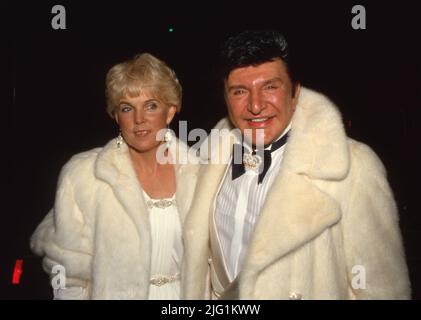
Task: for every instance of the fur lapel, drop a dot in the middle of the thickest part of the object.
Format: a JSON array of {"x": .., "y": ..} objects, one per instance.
[
  {"x": 317, "y": 145},
  {"x": 196, "y": 232},
  {"x": 295, "y": 212},
  {"x": 186, "y": 168},
  {"x": 114, "y": 166}
]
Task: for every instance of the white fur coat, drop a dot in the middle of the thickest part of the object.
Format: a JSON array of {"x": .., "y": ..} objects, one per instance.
[
  {"x": 99, "y": 227},
  {"x": 328, "y": 229}
]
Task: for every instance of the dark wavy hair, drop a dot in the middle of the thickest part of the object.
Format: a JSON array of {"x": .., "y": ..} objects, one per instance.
[{"x": 254, "y": 47}]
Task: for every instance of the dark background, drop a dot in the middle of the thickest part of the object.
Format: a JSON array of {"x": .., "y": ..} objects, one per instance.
[{"x": 56, "y": 106}]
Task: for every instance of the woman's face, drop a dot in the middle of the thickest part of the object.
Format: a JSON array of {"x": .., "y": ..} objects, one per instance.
[{"x": 140, "y": 118}]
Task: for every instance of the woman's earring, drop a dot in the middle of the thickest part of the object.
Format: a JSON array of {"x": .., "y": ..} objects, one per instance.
[
  {"x": 119, "y": 140},
  {"x": 168, "y": 136}
]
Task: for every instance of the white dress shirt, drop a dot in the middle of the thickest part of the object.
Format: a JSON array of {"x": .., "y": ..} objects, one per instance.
[{"x": 237, "y": 208}]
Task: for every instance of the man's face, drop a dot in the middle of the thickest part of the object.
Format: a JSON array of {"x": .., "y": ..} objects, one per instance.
[{"x": 260, "y": 97}]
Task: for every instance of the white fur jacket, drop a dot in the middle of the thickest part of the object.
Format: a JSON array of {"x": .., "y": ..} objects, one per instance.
[
  {"x": 99, "y": 227},
  {"x": 329, "y": 227}
]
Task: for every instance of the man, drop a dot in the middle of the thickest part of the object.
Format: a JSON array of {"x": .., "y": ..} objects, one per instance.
[{"x": 312, "y": 217}]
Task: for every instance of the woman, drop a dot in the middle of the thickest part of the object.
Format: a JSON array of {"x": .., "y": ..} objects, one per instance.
[{"x": 116, "y": 222}]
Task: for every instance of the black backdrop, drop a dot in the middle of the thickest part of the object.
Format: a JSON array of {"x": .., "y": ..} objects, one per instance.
[{"x": 57, "y": 106}]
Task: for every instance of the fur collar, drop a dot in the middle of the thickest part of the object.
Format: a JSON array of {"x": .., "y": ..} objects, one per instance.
[{"x": 114, "y": 167}]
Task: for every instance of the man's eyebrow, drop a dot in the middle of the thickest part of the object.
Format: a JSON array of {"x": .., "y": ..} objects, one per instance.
[
  {"x": 276, "y": 79},
  {"x": 236, "y": 86},
  {"x": 240, "y": 86}
]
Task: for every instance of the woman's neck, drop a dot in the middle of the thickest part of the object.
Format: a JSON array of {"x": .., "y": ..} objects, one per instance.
[
  {"x": 145, "y": 161},
  {"x": 156, "y": 179}
]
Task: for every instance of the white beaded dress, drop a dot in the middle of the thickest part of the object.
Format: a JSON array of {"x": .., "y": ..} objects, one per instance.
[{"x": 167, "y": 248}]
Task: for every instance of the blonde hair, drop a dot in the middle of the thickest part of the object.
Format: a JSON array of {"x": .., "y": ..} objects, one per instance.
[{"x": 142, "y": 73}]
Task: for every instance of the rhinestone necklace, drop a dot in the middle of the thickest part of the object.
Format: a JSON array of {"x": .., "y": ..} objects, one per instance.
[{"x": 161, "y": 204}]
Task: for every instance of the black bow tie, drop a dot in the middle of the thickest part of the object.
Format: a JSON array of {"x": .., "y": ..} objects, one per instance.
[{"x": 238, "y": 168}]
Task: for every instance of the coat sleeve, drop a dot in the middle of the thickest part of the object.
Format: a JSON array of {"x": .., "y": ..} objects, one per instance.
[
  {"x": 374, "y": 252},
  {"x": 64, "y": 237}
]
